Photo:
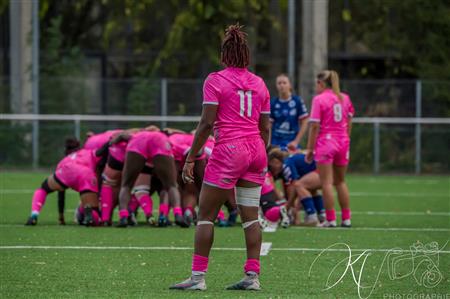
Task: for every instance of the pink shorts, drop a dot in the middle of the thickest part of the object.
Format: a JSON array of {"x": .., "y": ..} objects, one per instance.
[
  {"x": 332, "y": 151},
  {"x": 149, "y": 145},
  {"x": 118, "y": 150},
  {"x": 77, "y": 177},
  {"x": 241, "y": 159}
]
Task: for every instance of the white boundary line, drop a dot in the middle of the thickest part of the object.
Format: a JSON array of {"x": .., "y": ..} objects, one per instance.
[
  {"x": 395, "y": 229},
  {"x": 57, "y": 247}
]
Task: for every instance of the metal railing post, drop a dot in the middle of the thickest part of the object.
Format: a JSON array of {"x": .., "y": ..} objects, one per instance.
[
  {"x": 77, "y": 128},
  {"x": 418, "y": 130},
  {"x": 163, "y": 100},
  {"x": 376, "y": 147}
]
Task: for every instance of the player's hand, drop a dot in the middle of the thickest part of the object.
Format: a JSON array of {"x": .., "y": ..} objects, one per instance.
[
  {"x": 188, "y": 172},
  {"x": 292, "y": 146},
  {"x": 309, "y": 156}
]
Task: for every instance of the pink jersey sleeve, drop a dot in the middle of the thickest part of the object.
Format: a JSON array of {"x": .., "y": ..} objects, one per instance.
[
  {"x": 315, "y": 110},
  {"x": 265, "y": 109},
  {"x": 211, "y": 90}
]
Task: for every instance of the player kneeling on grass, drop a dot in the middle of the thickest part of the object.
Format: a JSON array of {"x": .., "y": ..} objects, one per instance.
[
  {"x": 77, "y": 171},
  {"x": 236, "y": 103},
  {"x": 271, "y": 210},
  {"x": 153, "y": 149},
  {"x": 303, "y": 178}
]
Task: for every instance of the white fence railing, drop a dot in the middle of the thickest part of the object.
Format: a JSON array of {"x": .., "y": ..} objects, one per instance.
[{"x": 78, "y": 118}]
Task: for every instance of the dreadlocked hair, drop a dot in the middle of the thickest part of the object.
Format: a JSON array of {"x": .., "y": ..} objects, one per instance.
[
  {"x": 71, "y": 145},
  {"x": 235, "y": 51}
]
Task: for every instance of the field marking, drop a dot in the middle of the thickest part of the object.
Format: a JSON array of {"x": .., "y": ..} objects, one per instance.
[
  {"x": 368, "y": 194},
  {"x": 265, "y": 248},
  {"x": 394, "y": 229},
  {"x": 57, "y": 247}
]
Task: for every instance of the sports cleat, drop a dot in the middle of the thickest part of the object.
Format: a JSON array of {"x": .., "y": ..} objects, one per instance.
[
  {"x": 151, "y": 220},
  {"x": 163, "y": 221},
  {"x": 106, "y": 223},
  {"x": 326, "y": 223},
  {"x": 132, "y": 221},
  {"x": 61, "y": 220},
  {"x": 179, "y": 220},
  {"x": 188, "y": 217},
  {"x": 285, "y": 221},
  {"x": 322, "y": 217},
  {"x": 32, "y": 220},
  {"x": 78, "y": 216},
  {"x": 195, "y": 282},
  {"x": 222, "y": 223},
  {"x": 310, "y": 220},
  {"x": 271, "y": 227},
  {"x": 88, "y": 219},
  {"x": 232, "y": 218},
  {"x": 250, "y": 282},
  {"x": 123, "y": 222},
  {"x": 346, "y": 223}
]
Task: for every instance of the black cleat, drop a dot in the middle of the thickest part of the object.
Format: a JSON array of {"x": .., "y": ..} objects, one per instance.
[
  {"x": 88, "y": 219},
  {"x": 163, "y": 221},
  {"x": 179, "y": 220},
  {"x": 32, "y": 220},
  {"x": 123, "y": 222},
  {"x": 232, "y": 218}
]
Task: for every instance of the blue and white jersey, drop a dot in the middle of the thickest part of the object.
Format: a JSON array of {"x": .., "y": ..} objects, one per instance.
[
  {"x": 284, "y": 115},
  {"x": 295, "y": 167}
]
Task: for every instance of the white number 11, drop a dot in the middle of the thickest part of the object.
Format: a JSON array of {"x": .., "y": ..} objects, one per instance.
[{"x": 242, "y": 95}]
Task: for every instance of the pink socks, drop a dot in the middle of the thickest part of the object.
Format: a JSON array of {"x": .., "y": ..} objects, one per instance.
[
  {"x": 346, "y": 214},
  {"x": 273, "y": 214},
  {"x": 146, "y": 203},
  {"x": 106, "y": 196},
  {"x": 38, "y": 201},
  {"x": 252, "y": 265},
  {"x": 199, "y": 263},
  {"x": 331, "y": 215},
  {"x": 221, "y": 215},
  {"x": 124, "y": 213},
  {"x": 163, "y": 209},
  {"x": 177, "y": 211}
]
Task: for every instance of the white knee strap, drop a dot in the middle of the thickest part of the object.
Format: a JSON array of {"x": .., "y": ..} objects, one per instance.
[
  {"x": 204, "y": 222},
  {"x": 248, "y": 197},
  {"x": 108, "y": 181},
  {"x": 249, "y": 223},
  {"x": 140, "y": 189}
]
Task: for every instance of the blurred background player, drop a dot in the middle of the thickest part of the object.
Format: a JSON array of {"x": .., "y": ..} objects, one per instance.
[
  {"x": 329, "y": 143},
  {"x": 288, "y": 115},
  {"x": 152, "y": 149},
  {"x": 78, "y": 171},
  {"x": 304, "y": 181},
  {"x": 271, "y": 209},
  {"x": 237, "y": 104}
]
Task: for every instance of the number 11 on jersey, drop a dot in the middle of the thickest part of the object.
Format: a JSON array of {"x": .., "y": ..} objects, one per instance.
[{"x": 242, "y": 95}]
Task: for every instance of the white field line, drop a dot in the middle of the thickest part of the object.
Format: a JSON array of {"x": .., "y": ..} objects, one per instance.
[
  {"x": 395, "y": 229},
  {"x": 390, "y": 229},
  {"x": 58, "y": 247},
  {"x": 362, "y": 194}
]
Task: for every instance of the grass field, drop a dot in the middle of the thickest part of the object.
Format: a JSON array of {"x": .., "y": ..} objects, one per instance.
[{"x": 49, "y": 261}]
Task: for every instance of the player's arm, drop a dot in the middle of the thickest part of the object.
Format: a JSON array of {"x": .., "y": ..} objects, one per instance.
[
  {"x": 264, "y": 128},
  {"x": 350, "y": 125},
  {"x": 303, "y": 125},
  {"x": 314, "y": 128}
]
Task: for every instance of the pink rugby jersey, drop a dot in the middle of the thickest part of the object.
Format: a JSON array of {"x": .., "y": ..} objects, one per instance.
[
  {"x": 267, "y": 187},
  {"x": 332, "y": 113},
  {"x": 82, "y": 157},
  {"x": 96, "y": 141},
  {"x": 181, "y": 144},
  {"x": 242, "y": 96}
]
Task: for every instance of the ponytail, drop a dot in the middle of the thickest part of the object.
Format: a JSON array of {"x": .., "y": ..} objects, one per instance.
[{"x": 331, "y": 79}]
